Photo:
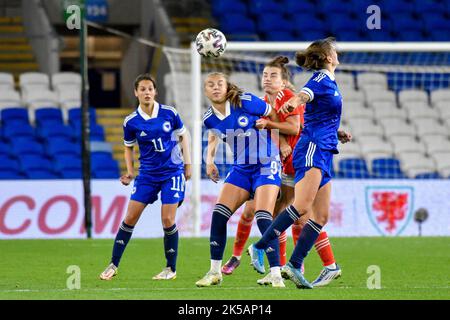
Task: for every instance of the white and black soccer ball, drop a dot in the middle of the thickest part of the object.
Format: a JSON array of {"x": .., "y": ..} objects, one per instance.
[{"x": 211, "y": 43}]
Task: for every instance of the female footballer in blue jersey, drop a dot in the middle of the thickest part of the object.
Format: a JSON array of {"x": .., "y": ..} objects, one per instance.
[
  {"x": 255, "y": 171},
  {"x": 157, "y": 129},
  {"x": 312, "y": 156}
]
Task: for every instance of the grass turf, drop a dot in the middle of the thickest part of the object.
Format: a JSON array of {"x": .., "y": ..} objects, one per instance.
[{"x": 411, "y": 268}]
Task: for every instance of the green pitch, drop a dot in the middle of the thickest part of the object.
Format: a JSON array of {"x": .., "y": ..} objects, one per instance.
[{"x": 411, "y": 268}]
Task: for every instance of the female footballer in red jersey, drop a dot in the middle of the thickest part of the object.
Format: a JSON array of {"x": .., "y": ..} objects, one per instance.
[{"x": 276, "y": 85}]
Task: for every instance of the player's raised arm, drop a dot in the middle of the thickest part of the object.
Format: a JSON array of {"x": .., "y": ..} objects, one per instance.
[{"x": 295, "y": 101}]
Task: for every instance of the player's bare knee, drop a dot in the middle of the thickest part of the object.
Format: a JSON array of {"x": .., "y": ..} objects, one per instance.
[
  {"x": 168, "y": 221},
  {"x": 321, "y": 218}
]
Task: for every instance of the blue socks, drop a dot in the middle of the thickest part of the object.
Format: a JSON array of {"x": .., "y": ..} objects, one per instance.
[
  {"x": 264, "y": 220},
  {"x": 280, "y": 224},
  {"x": 218, "y": 236},
  {"x": 121, "y": 241},
  {"x": 308, "y": 236},
  {"x": 171, "y": 246}
]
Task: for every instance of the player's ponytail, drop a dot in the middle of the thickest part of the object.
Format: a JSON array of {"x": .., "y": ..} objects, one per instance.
[
  {"x": 280, "y": 62},
  {"x": 233, "y": 94},
  {"x": 315, "y": 56}
]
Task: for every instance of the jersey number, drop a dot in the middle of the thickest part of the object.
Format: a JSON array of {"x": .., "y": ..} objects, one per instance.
[
  {"x": 159, "y": 143},
  {"x": 178, "y": 183}
]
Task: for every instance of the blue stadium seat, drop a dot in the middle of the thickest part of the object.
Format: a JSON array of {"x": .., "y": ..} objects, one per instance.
[
  {"x": 97, "y": 132},
  {"x": 104, "y": 164},
  {"x": 354, "y": 168},
  {"x": 105, "y": 174},
  {"x": 303, "y": 23},
  {"x": 14, "y": 114},
  {"x": 429, "y": 175},
  {"x": 348, "y": 36},
  {"x": 273, "y": 22},
  {"x": 71, "y": 174},
  {"x": 294, "y": 6},
  {"x": 393, "y": 8},
  {"x": 311, "y": 35},
  {"x": 27, "y": 147},
  {"x": 42, "y": 174},
  {"x": 51, "y": 130},
  {"x": 66, "y": 165},
  {"x": 15, "y": 130},
  {"x": 387, "y": 168},
  {"x": 5, "y": 149},
  {"x": 8, "y": 164},
  {"x": 258, "y": 7},
  {"x": 221, "y": 6},
  {"x": 439, "y": 35},
  {"x": 403, "y": 23},
  {"x": 46, "y": 115},
  {"x": 435, "y": 22},
  {"x": 428, "y": 6},
  {"x": 409, "y": 35},
  {"x": 35, "y": 162},
  {"x": 237, "y": 24},
  {"x": 332, "y": 7},
  {"x": 74, "y": 116},
  {"x": 279, "y": 36},
  {"x": 11, "y": 175},
  {"x": 61, "y": 146}
]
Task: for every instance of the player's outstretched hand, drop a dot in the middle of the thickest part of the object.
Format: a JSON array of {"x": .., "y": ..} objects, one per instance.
[
  {"x": 261, "y": 123},
  {"x": 344, "y": 137},
  {"x": 212, "y": 172},
  {"x": 290, "y": 105},
  {"x": 126, "y": 179},
  {"x": 187, "y": 171}
]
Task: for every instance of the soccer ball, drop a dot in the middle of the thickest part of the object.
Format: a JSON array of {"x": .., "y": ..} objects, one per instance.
[{"x": 211, "y": 43}]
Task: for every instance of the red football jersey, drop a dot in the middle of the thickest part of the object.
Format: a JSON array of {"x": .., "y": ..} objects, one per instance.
[{"x": 283, "y": 97}]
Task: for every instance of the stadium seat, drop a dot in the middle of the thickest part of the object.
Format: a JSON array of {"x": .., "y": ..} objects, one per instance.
[
  {"x": 9, "y": 164},
  {"x": 429, "y": 127},
  {"x": 222, "y": 6},
  {"x": 372, "y": 144},
  {"x": 41, "y": 174},
  {"x": 386, "y": 109},
  {"x": 33, "y": 82},
  {"x": 67, "y": 162},
  {"x": 345, "y": 79},
  {"x": 18, "y": 129},
  {"x": 10, "y": 99},
  {"x": 279, "y": 36},
  {"x": 404, "y": 144},
  {"x": 300, "y": 79},
  {"x": 69, "y": 97},
  {"x": 410, "y": 35},
  {"x": 258, "y": 7},
  {"x": 65, "y": 79},
  {"x": 353, "y": 168},
  {"x": 305, "y": 23},
  {"x": 354, "y": 110},
  {"x": 440, "y": 95},
  {"x": 407, "y": 23},
  {"x": 420, "y": 110},
  {"x": 26, "y": 146},
  {"x": 364, "y": 127},
  {"x": 6, "y": 82},
  {"x": 16, "y": 115},
  {"x": 105, "y": 174},
  {"x": 387, "y": 168},
  {"x": 436, "y": 143},
  {"x": 35, "y": 162},
  {"x": 71, "y": 174},
  {"x": 236, "y": 23},
  {"x": 412, "y": 95},
  {"x": 353, "y": 96},
  {"x": 375, "y": 95},
  {"x": 439, "y": 35},
  {"x": 5, "y": 150},
  {"x": 397, "y": 127},
  {"x": 336, "y": 8},
  {"x": 41, "y": 99},
  {"x": 268, "y": 22},
  {"x": 442, "y": 160},
  {"x": 396, "y": 7},
  {"x": 54, "y": 130},
  {"x": 74, "y": 117},
  {"x": 11, "y": 175},
  {"x": 423, "y": 7},
  {"x": 414, "y": 164},
  {"x": 61, "y": 146},
  {"x": 371, "y": 80},
  {"x": 48, "y": 115},
  {"x": 294, "y": 6}
]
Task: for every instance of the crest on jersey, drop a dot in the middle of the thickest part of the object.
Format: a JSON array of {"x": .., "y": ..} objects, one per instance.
[
  {"x": 390, "y": 208},
  {"x": 243, "y": 121},
  {"x": 167, "y": 126}
]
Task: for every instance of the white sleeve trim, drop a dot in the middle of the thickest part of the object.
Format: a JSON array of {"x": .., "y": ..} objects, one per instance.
[
  {"x": 308, "y": 92},
  {"x": 129, "y": 143},
  {"x": 181, "y": 131},
  {"x": 268, "y": 110}
]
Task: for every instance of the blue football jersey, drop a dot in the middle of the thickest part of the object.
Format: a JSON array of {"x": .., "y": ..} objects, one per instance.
[
  {"x": 323, "y": 111},
  {"x": 157, "y": 137},
  {"x": 250, "y": 146}
]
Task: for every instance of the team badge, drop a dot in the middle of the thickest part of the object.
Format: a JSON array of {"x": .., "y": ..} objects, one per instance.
[
  {"x": 167, "y": 126},
  {"x": 243, "y": 121}
]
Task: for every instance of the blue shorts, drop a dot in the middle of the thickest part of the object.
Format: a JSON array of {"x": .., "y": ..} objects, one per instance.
[
  {"x": 252, "y": 177},
  {"x": 309, "y": 155},
  {"x": 172, "y": 190}
]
